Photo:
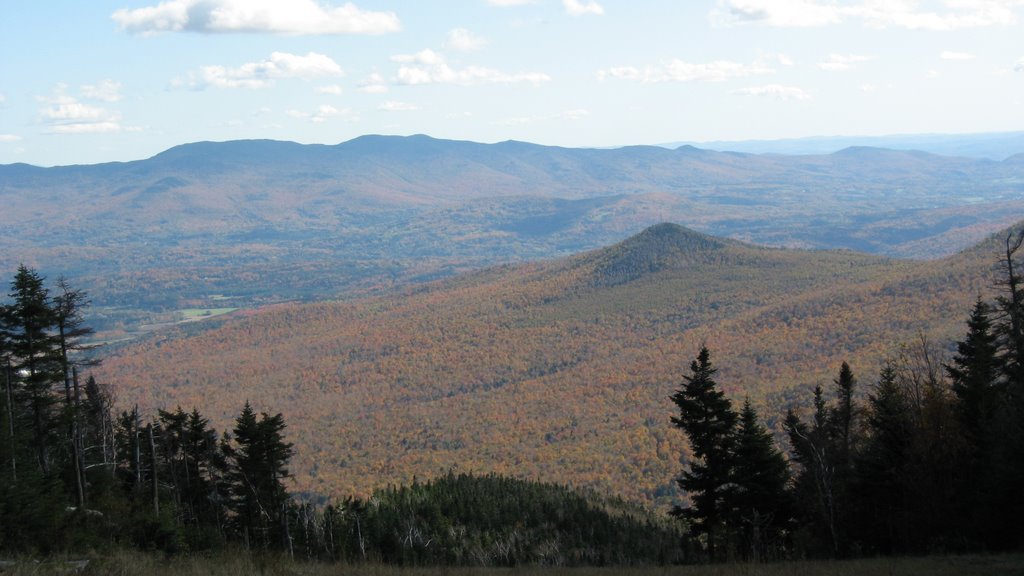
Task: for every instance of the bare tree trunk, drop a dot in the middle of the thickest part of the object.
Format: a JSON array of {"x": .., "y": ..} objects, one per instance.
[
  {"x": 109, "y": 447},
  {"x": 359, "y": 532},
  {"x": 75, "y": 440},
  {"x": 64, "y": 364},
  {"x": 10, "y": 423},
  {"x": 153, "y": 464},
  {"x": 287, "y": 531},
  {"x": 136, "y": 449},
  {"x": 79, "y": 437},
  {"x": 1014, "y": 305}
]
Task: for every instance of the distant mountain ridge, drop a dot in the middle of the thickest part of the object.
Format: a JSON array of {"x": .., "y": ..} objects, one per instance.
[
  {"x": 310, "y": 221},
  {"x": 992, "y": 145}
]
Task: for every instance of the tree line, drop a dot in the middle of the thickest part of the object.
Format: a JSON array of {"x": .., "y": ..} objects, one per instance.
[
  {"x": 75, "y": 474},
  {"x": 931, "y": 460}
]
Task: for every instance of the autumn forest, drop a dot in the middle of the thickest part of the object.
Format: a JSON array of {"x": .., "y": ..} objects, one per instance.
[{"x": 916, "y": 450}]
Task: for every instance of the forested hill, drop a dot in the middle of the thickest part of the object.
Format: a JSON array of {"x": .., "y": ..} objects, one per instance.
[
  {"x": 313, "y": 221},
  {"x": 558, "y": 370}
]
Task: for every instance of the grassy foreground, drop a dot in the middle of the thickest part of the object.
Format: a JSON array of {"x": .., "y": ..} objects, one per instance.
[{"x": 133, "y": 563}]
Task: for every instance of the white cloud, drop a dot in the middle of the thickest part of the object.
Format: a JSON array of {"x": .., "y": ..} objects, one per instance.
[
  {"x": 73, "y": 111},
  {"x": 679, "y": 71},
  {"x": 9, "y": 137},
  {"x": 868, "y": 88},
  {"x": 323, "y": 113},
  {"x": 64, "y": 114},
  {"x": 959, "y": 14},
  {"x": 393, "y": 106},
  {"x": 949, "y": 55},
  {"x": 3, "y": 98},
  {"x": 86, "y": 128},
  {"x": 262, "y": 74},
  {"x": 579, "y": 8},
  {"x": 333, "y": 90},
  {"x": 780, "y": 13},
  {"x": 373, "y": 84},
  {"x": 293, "y": 17},
  {"x": 955, "y": 14},
  {"x": 1019, "y": 67},
  {"x": 429, "y": 67},
  {"x": 463, "y": 40},
  {"x": 105, "y": 90},
  {"x": 775, "y": 91},
  {"x": 426, "y": 56},
  {"x": 841, "y": 62},
  {"x": 507, "y": 3}
]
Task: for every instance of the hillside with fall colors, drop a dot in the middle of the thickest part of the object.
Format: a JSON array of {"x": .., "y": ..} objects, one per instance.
[
  {"x": 558, "y": 370},
  {"x": 240, "y": 224}
]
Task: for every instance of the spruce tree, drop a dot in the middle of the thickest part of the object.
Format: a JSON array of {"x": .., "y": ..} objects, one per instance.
[
  {"x": 980, "y": 400},
  {"x": 35, "y": 361},
  {"x": 842, "y": 419},
  {"x": 880, "y": 485},
  {"x": 761, "y": 505},
  {"x": 974, "y": 372},
  {"x": 707, "y": 418},
  {"x": 257, "y": 463}
]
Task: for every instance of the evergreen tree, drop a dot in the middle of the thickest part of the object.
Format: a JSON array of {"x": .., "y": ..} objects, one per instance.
[
  {"x": 257, "y": 464},
  {"x": 880, "y": 486},
  {"x": 707, "y": 418},
  {"x": 761, "y": 506},
  {"x": 843, "y": 419},
  {"x": 974, "y": 372},
  {"x": 35, "y": 361}
]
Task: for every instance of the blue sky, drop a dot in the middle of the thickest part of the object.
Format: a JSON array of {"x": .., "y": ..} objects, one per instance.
[{"x": 95, "y": 81}]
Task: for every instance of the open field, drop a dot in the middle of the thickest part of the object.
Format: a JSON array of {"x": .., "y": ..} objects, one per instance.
[
  {"x": 200, "y": 313},
  {"x": 133, "y": 563}
]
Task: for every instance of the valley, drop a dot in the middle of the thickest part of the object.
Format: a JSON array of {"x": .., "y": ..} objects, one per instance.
[
  {"x": 250, "y": 223},
  {"x": 557, "y": 370}
]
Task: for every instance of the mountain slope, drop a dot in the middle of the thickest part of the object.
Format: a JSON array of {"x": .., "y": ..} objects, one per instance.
[
  {"x": 313, "y": 221},
  {"x": 557, "y": 370}
]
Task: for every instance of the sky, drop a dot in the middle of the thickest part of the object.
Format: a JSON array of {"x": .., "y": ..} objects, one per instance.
[{"x": 93, "y": 81}]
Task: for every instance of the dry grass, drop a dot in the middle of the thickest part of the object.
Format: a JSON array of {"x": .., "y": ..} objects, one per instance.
[{"x": 133, "y": 563}]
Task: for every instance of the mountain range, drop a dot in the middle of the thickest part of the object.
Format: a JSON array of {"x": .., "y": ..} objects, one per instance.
[
  {"x": 246, "y": 223},
  {"x": 557, "y": 370},
  {"x": 994, "y": 146}
]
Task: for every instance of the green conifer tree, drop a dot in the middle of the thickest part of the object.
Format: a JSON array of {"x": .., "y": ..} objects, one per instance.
[
  {"x": 880, "y": 485},
  {"x": 35, "y": 362},
  {"x": 707, "y": 418},
  {"x": 257, "y": 462},
  {"x": 761, "y": 504},
  {"x": 974, "y": 372}
]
